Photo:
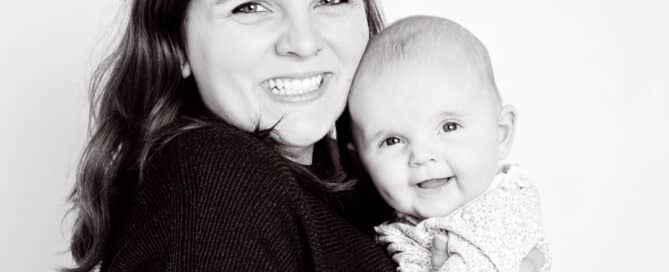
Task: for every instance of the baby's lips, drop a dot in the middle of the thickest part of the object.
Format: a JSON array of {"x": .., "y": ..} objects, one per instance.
[{"x": 433, "y": 183}]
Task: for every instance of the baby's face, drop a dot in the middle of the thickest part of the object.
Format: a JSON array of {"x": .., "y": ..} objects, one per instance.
[{"x": 428, "y": 136}]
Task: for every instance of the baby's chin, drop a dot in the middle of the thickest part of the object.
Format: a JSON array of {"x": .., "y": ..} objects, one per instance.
[
  {"x": 441, "y": 213},
  {"x": 437, "y": 207},
  {"x": 423, "y": 213}
]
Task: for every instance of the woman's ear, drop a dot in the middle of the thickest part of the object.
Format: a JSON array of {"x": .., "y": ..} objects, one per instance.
[
  {"x": 185, "y": 69},
  {"x": 351, "y": 148},
  {"x": 506, "y": 125},
  {"x": 185, "y": 65}
]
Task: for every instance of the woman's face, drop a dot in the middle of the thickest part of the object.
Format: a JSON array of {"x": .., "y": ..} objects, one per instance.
[{"x": 285, "y": 62}]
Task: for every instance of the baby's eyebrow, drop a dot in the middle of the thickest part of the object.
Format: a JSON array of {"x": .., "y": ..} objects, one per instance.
[
  {"x": 451, "y": 114},
  {"x": 376, "y": 135}
]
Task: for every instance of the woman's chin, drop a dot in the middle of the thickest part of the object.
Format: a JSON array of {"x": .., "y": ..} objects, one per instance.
[{"x": 298, "y": 141}]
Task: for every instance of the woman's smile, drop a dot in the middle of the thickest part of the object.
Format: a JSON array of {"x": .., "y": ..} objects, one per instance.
[{"x": 297, "y": 88}]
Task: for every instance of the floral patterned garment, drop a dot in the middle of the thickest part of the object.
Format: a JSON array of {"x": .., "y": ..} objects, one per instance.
[{"x": 493, "y": 232}]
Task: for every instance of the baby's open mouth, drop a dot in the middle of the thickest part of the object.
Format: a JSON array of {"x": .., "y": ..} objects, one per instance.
[{"x": 434, "y": 183}]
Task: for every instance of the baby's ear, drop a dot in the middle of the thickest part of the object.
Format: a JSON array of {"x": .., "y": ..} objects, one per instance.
[{"x": 507, "y": 125}]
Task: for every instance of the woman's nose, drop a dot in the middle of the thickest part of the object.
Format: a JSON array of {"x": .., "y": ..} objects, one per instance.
[{"x": 299, "y": 39}]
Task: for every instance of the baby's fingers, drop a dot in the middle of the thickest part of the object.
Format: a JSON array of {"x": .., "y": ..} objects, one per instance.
[
  {"x": 439, "y": 251},
  {"x": 384, "y": 239}
]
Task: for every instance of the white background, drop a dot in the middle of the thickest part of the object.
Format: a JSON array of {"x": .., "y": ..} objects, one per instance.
[{"x": 590, "y": 79}]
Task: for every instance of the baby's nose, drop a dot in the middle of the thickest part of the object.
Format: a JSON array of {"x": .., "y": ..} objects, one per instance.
[{"x": 422, "y": 155}]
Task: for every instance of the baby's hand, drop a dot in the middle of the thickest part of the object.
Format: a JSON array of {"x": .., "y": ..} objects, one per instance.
[
  {"x": 409, "y": 218},
  {"x": 409, "y": 255},
  {"x": 439, "y": 251},
  {"x": 533, "y": 262}
]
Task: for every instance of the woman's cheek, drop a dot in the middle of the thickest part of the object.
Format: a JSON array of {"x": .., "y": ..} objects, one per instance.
[{"x": 348, "y": 36}]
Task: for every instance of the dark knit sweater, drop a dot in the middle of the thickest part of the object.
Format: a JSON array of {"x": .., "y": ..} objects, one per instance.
[{"x": 217, "y": 199}]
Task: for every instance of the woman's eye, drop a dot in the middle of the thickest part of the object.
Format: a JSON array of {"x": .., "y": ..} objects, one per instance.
[
  {"x": 391, "y": 141},
  {"x": 250, "y": 7},
  {"x": 450, "y": 126},
  {"x": 332, "y": 2}
]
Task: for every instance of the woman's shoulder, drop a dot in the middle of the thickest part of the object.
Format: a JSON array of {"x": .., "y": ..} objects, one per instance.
[
  {"x": 219, "y": 137},
  {"x": 205, "y": 186},
  {"x": 225, "y": 185},
  {"x": 219, "y": 144},
  {"x": 214, "y": 158}
]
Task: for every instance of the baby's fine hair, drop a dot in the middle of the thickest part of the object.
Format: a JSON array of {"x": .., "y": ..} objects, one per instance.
[{"x": 427, "y": 39}]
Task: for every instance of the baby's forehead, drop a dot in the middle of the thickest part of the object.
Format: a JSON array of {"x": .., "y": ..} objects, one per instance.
[
  {"x": 414, "y": 46},
  {"x": 412, "y": 85},
  {"x": 425, "y": 37},
  {"x": 415, "y": 79}
]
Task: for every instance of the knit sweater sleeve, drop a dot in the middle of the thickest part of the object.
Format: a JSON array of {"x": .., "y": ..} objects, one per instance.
[{"x": 211, "y": 200}]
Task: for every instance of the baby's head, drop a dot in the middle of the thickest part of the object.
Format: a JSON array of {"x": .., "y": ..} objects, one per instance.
[{"x": 427, "y": 120}]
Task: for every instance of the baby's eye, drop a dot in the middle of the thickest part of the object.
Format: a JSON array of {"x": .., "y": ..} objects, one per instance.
[
  {"x": 391, "y": 141},
  {"x": 332, "y": 2},
  {"x": 450, "y": 126},
  {"x": 249, "y": 7}
]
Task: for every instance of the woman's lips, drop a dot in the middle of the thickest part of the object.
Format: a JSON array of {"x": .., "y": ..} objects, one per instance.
[{"x": 434, "y": 183}]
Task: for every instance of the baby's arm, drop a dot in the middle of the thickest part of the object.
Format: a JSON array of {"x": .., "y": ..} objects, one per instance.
[
  {"x": 533, "y": 262},
  {"x": 400, "y": 247}
]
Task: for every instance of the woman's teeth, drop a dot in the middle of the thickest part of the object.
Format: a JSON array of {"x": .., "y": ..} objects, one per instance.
[{"x": 295, "y": 86}]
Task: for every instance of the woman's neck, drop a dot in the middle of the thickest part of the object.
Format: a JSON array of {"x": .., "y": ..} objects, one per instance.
[{"x": 299, "y": 154}]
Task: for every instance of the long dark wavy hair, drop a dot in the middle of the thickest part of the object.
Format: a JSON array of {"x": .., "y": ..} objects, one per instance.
[{"x": 139, "y": 101}]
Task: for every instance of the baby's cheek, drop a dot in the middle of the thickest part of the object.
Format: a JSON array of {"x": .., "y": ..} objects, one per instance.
[
  {"x": 385, "y": 185},
  {"x": 390, "y": 180},
  {"x": 389, "y": 196}
]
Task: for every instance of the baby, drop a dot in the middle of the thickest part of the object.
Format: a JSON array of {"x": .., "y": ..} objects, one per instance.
[{"x": 431, "y": 130}]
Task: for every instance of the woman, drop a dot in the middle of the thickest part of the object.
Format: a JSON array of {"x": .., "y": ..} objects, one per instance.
[{"x": 209, "y": 150}]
